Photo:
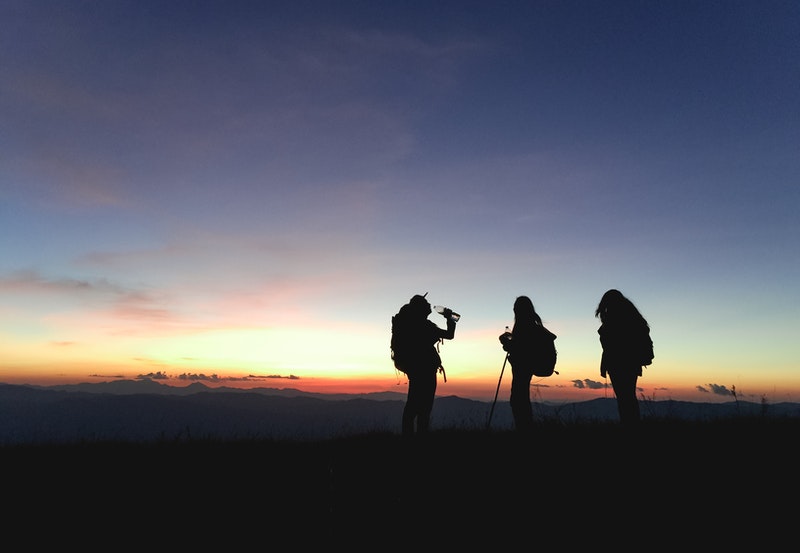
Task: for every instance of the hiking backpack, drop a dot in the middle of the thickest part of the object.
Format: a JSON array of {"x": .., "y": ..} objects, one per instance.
[
  {"x": 546, "y": 355},
  {"x": 646, "y": 353},
  {"x": 396, "y": 346},
  {"x": 400, "y": 345}
]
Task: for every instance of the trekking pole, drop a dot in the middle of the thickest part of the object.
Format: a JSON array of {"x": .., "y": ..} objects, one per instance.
[{"x": 489, "y": 422}]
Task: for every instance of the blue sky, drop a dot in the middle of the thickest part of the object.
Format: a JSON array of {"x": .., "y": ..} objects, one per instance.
[{"x": 252, "y": 189}]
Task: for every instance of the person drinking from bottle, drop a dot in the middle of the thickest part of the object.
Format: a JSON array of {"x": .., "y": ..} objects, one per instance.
[{"x": 420, "y": 360}]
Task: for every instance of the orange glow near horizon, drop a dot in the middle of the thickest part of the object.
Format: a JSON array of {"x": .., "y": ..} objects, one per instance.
[{"x": 555, "y": 389}]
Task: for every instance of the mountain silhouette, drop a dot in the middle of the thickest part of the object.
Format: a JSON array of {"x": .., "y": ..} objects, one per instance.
[{"x": 146, "y": 411}]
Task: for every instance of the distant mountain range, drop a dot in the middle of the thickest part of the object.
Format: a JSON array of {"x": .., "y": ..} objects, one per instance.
[{"x": 147, "y": 411}]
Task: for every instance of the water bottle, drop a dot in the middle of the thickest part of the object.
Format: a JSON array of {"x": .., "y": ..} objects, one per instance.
[{"x": 453, "y": 315}]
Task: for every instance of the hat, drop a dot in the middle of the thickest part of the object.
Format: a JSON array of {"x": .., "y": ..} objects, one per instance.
[{"x": 419, "y": 301}]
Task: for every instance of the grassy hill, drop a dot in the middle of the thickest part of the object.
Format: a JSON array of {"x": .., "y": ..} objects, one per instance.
[{"x": 576, "y": 483}]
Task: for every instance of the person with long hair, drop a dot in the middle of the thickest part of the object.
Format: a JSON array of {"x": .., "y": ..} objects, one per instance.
[
  {"x": 527, "y": 334},
  {"x": 625, "y": 339}
]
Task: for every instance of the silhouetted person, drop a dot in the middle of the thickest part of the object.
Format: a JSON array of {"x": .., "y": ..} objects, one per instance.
[
  {"x": 422, "y": 360},
  {"x": 624, "y": 335},
  {"x": 521, "y": 343}
]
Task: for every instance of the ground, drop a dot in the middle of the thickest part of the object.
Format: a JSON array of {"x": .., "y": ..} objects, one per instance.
[{"x": 668, "y": 483}]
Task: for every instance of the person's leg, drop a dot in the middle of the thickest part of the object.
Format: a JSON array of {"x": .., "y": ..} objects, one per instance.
[
  {"x": 427, "y": 393},
  {"x": 634, "y": 416},
  {"x": 411, "y": 408},
  {"x": 520, "y": 401},
  {"x": 624, "y": 385}
]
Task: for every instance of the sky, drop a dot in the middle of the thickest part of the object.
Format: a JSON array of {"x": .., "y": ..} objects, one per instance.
[{"x": 243, "y": 193}]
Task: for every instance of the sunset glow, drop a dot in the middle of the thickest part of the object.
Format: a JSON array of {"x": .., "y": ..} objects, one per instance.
[{"x": 245, "y": 194}]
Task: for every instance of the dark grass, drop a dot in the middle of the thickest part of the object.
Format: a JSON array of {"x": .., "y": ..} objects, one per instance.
[{"x": 572, "y": 482}]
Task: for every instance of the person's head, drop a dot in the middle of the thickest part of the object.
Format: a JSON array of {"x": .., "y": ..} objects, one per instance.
[
  {"x": 420, "y": 305},
  {"x": 614, "y": 305},
  {"x": 524, "y": 310}
]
